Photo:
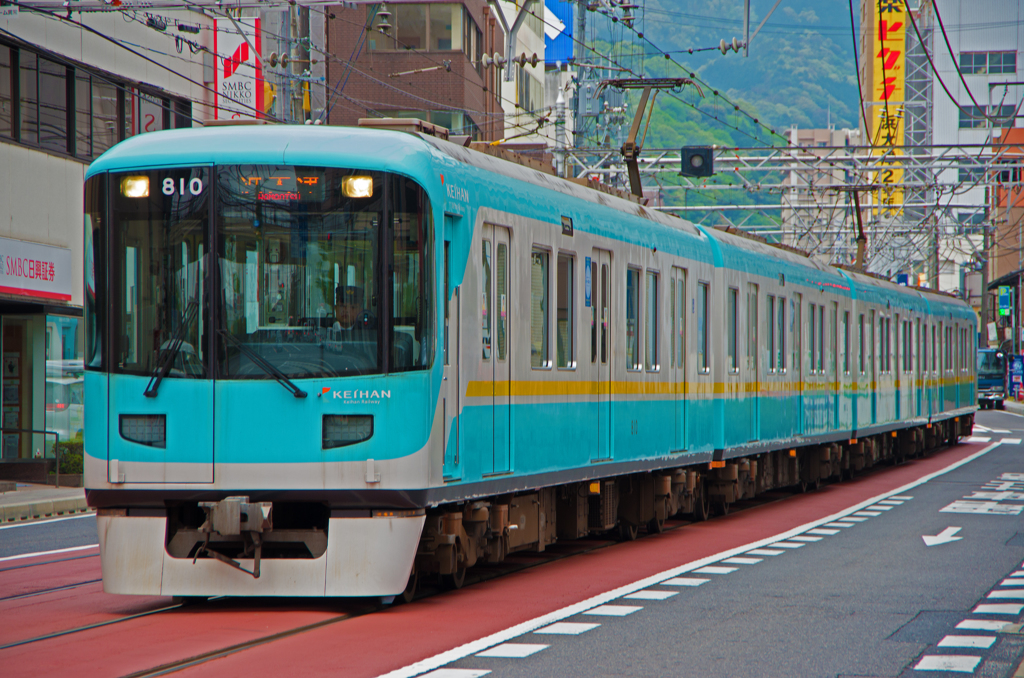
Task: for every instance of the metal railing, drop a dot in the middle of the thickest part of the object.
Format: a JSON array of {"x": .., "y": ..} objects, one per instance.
[{"x": 56, "y": 444}]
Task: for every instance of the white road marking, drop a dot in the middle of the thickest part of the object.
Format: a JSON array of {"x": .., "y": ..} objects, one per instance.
[
  {"x": 613, "y": 610},
  {"x": 979, "y": 427},
  {"x": 711, "y": 569},
  {"x": 839, "y": 524},
  {"x": 71, "y": 549},
  {"x": 1012, "y": 582},
  {"x": 977, "y": 439},
  {"x": 30, "y": 523},
  {"x": 955, "y": 663},
  {"x": 1011, "y": 441},
  {"x": 880, "y": 507},
  {"x": 787, "y": 544},
  {"x": 981, "y": 625},
  {"x": 1008, "y": 593},
  {"x": 901, "y": 497},
  {"x": 998, "y": 609},
  {"x": 944, "y": 537},
  {"x": 651, "y": 595},
  {"x": 765, "y": 552},
  {"x": 867, "y": 514},
  {"x": 457, "y": 673},
  {"x": 512, "y": 650},
  {"x": 684, "y": 581},
  {"x": 984, "y": 642},
  {"x": 742, "y": 561},
  {"x": 805, "y": 538},
  {"x": 567, "y": 629},
  {"x": 890, "y": 502},
  {"x": 856, "y": 519},
  {"x": 1018, "y": 573},
  {"x": 826, "y": 533},
  {"x": 448, "y": 656}
]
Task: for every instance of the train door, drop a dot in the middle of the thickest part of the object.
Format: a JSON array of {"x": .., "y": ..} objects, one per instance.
[
  {"x": 677, "y": 298},
  {"x": 797, "y": 363},
  {"x": 753, "y": 376},
  {"x": 898, "y": 386},
  {"x": 602, "y": 262},
  {"x": 873, "y": 374},
  {"x": 450, "y": 387},
  {"x": 502, "y": 438}
]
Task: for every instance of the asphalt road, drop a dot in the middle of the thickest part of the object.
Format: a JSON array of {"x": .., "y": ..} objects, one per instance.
[
  {"x": 872, "y": 599},
  {"x": 47, "y": 535}
]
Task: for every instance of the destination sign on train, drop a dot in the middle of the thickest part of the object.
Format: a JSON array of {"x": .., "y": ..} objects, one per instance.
[{"x": 268, "y": 184}]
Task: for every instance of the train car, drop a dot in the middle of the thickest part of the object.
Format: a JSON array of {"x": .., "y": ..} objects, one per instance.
[{"x": 327, "y": 361}]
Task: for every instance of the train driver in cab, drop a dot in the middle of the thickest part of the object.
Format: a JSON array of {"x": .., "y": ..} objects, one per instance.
[{"x": 350, "y": 316}]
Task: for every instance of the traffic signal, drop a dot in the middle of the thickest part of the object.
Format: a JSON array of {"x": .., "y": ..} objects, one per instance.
[{"x": 698, "y": 161}]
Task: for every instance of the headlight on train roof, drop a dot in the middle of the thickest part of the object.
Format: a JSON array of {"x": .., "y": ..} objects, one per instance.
[
  {"x": 357, "y": 187},
  {"x": 135, "y": 187}
]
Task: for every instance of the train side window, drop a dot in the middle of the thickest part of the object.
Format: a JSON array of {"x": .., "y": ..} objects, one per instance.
[
  {"x": 812, "y": 335},
  {"x": 605, "y": 319},
  {"x": 795, "y": 322},
  {"x": 593, "y": 312},
  {"x": 539, "y": 309},
  {"x": 923, "y": 338},
  {"x": 731, "y": 312},
  {"x": 703, "y": 360},
  {"x": 860, "y": 329},
  {"x": 679, "y": 322},
  {"x": 770, "y": 318},
  {"x": 846, "y": 342},
  {"x": 447, "y": 264},
  {"x": 821, "y": 339},
  {"x": 565, "y": 327},
  {"x": 651, "y": 357},
  {"x": 752, "y": 345},
  {"x": 632, "y": 319},
  {"x": 935, "y": 353},
  {"x": 501, "y": 272},
  {"x": 485, "y": 301},
  {"x": 780, "y": 345}
]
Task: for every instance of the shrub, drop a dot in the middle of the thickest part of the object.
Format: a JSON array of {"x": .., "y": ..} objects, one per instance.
[{"x": 71, "y": 458}]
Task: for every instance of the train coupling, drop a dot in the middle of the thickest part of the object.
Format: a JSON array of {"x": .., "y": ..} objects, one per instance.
[{"x": 237, "y": 516}]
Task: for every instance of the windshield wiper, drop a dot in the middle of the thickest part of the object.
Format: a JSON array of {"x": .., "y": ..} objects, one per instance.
[
  {"x": 177, "y": 341},
  {"x": 264, "y": 365}
]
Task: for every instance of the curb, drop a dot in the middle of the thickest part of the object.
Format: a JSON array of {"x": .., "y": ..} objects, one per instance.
[{"x": 14, "y": 513}]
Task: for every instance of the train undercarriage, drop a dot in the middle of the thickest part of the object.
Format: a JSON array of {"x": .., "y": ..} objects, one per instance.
[{"x": 457, "y": 537}]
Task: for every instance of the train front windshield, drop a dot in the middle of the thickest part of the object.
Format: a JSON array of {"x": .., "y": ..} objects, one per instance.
[
  {"x": 991, "y": 364},
  {"x": 258, "y": 272}
]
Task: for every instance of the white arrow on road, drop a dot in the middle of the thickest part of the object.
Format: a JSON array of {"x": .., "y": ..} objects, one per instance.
[{"x": 943, "y": 537}]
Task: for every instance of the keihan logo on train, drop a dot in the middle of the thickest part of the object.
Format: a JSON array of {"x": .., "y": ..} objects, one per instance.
[
  {"x": 356, "y": 395},
  {"x": 455, "y": 192}
]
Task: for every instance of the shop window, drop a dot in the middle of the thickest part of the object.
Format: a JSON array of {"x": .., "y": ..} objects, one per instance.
[{"x": 64, "y": 376}]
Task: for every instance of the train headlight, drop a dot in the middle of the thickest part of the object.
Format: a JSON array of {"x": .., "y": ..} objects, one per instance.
[
  {"x": 135, "y": 187},
  {"x": 357, "y": 187},
  {"x": 346, "y": 429}
]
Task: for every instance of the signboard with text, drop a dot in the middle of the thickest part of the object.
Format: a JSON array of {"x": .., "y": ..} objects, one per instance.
[
  {"x": 238, "y": 73},
  {"x": 886, "y": 117},
  {"x": 33, "y": 270}
]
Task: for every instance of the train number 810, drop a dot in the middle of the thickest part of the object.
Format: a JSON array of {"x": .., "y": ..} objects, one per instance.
[{"x": 195, "y": 186}]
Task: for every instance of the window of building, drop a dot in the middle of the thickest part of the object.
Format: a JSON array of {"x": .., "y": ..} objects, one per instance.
[
  {"x": 703, "y": 360},
  {"x": 731, "y": 313},
  {"x": 564, "y": 319},
  {"x": 651, "y": 321},
  {"x": 632, "y": 319},
  {"x": 432, "y": 27},
  {"x": 53, "y": 106},
  {"x": 539, "y": 355},
  {"x": 973, "y": 117},
  {"x": 981, "y": 63},
  {"x": 6, "y": 98},
  {"x": 1002, "y": 62},
  {"x": 529, "y": 90},
  {"x": 28, "y": 86}
]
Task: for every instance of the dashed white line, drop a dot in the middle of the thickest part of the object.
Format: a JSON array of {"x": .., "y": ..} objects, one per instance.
[
  {"x": 867, "y": 514},
  {"x": 512, "y": 650},
  {"x": 1008, "y": 593},
  {"x": 613, "y": 610},
  {"x": 566, "y": 629},
  {"x": 856, "y": 519},
  {"x": 838, "y": 524},
  {"x": 787, "y": 544},
  {"x": 981, "y": 625},
  {"x": 765, "y": 552},
  {"x": 1012, "y": 582},
  {"x": 684, "y": 581},
  {"x": 804, "y": 537},
  {"x": 880, "y": 507},
  {"x": 977, "y": 439},
  {"x": 742, "y": 561},
  {"x": 901, "y": 497},
  {"x": 456, "y": 673},
  {"x": 823, "y": 532},
  {"x": 1004, "y": 608},
  {"x": 651, "y": 595},
  {"x": 712, "y": 569},
  {"x": 956, "y": 663},
  {"x": 1018, "y": 573},
  {"x": 984, "y": 642},
  {"x": 891, "y": 502},
  {"x": 1011, "y": 441}
]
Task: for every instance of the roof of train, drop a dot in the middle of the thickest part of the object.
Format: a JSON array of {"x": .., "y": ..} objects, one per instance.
[{"x": 350, "y": 146}]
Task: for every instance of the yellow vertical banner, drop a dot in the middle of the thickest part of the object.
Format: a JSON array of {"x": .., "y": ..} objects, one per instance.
[{"x": 888, "y": 75}]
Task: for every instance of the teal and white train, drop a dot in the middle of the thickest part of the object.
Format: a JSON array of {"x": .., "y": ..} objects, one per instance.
[{"x": 534, "y": 360}]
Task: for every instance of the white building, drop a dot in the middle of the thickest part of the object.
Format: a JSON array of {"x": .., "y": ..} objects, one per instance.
[{"x": 69, "y": 89}]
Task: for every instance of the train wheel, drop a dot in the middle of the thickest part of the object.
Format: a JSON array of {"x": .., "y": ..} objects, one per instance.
[
  {"x": 410, "y": 587},
  {"x": 701, "y": 509},
  {"x": 722, "y": 507},
  {"x": 655, "y": 525},
  {"x": 457, "y": 578},
  {"x": 628, "y": 532}
]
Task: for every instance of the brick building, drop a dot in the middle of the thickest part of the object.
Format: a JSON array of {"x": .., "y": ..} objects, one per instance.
[{"x": 442, "y": 43}]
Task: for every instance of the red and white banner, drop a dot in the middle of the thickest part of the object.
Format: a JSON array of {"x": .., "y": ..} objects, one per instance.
[
  {"x": 32, "y": 270},
  {"x": 238, "y": 74}
]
